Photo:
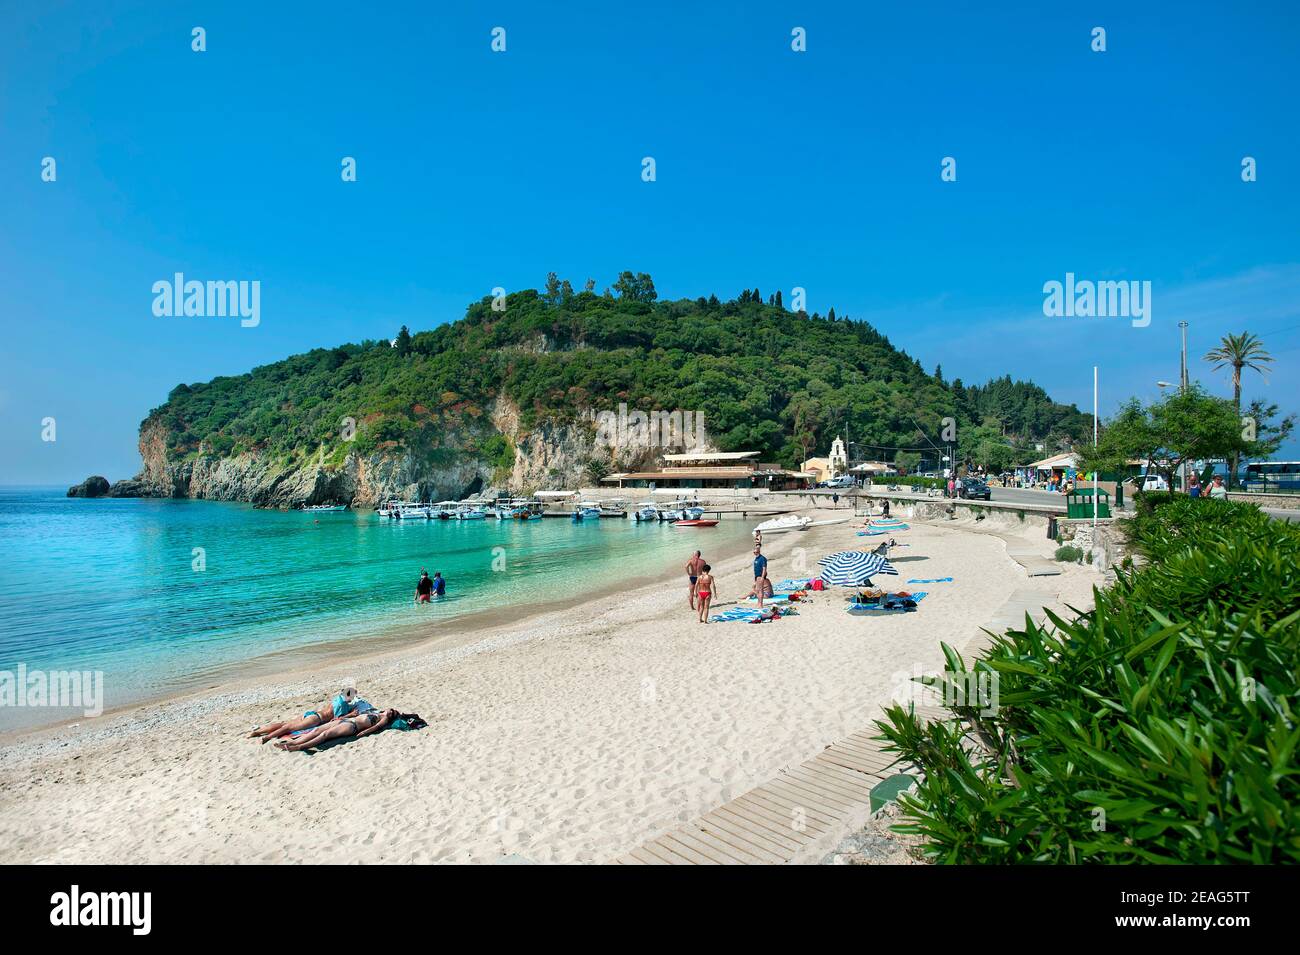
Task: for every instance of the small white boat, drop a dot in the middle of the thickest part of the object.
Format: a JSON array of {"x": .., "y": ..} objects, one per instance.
[
  {"x": 470, "y": 512},
  {"x": 646, "y": 511},
  {"x": 586, "y": 511},
  {"x": 409, "y": 510},
  {"x": 787, "y": 522},
  {"x": 387, "y": 509},
  {"x": 318, "y": 508},
  {"x": 613, "y": 509}
]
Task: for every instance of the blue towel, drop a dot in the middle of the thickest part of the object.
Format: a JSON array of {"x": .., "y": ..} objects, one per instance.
[
  {"x": 872, "y": 533},
  {"x": 931, "y": 580},
  {"x": 860, "y": 608},
  {"x": 792, "y": 584},
  {"x": 774, "y": 599},
  {"x": 733, "y": 614}
]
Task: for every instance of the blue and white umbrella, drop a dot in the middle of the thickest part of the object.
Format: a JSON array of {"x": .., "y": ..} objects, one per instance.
[{"x": 850, "y": 568}]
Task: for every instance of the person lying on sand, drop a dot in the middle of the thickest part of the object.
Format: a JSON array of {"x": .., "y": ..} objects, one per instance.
[
  {"x": 762, "y": 588},
  {"x": 343, "y": 704},
  {"x": 371, "y": 721}
]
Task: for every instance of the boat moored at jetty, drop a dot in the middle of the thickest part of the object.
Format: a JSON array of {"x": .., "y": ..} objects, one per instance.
[
  {"x": 646, "y": 511},
  {"x": 470, "y": 512},
  {"x": 586, "y": 511}
]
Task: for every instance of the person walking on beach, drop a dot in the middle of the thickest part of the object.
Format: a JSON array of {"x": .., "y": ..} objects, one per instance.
[
  {"x": 423, "y": 587},
  {"x": 760, "y": 562},
  {"x": 705, "y": 591},
  {"x": 693, "y": 567}
]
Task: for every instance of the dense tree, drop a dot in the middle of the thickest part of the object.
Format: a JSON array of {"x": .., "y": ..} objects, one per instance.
[{"x": 765, "y": 379}]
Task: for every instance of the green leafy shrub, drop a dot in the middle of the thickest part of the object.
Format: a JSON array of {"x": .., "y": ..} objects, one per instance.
[
  {"x": 1069, "y": 554},
  {"x": 1160, "y": 727}
]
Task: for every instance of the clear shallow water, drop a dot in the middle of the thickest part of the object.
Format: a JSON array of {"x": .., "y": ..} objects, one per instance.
[{"x": 108, "y": 585}]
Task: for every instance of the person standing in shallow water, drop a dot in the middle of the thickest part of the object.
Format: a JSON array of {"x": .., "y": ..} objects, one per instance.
[
  {"x": 423, "y": 588},
  {"x": 693, "y": 567}
]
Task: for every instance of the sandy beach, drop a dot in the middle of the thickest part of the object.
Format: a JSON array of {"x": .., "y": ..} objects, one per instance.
[{"x": 571, "y": 736}]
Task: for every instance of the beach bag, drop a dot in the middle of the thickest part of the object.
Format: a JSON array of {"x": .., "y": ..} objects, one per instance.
[{"x": 818, "y": 585}]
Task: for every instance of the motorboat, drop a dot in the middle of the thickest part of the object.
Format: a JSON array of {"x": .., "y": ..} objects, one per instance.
[
  {"x": 443, "y": 510},
  {"x": 586, "y": 511},
  {"x": 409, "y": 510},
  {"x": 695, "y": 522},
  {"x": 470, "y": 512},
  {"x": 786, "y": 522},
  {"x": 319, "y": 508},
  {"x": 613, "y": 509},
  {"x": 646, "y": 511}
]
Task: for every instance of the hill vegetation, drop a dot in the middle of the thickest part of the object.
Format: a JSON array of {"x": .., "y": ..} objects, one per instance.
[{"x": 766, "y": 379}]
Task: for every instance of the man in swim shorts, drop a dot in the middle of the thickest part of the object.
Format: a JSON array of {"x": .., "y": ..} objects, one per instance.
[
  {"x": 692, "y": 574},
  {"x": 424, "y": 588}
]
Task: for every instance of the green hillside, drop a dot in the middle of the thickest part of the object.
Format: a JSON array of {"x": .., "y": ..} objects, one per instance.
[{"x": 766, "y": 379}]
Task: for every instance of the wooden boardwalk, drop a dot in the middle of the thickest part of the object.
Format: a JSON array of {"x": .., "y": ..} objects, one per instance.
[
  {"x": 816, "y": 800},
  {"x": 769, "y": 825}
]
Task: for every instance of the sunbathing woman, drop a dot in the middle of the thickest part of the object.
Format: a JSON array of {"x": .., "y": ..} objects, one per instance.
[
  {"x": 343, "y": 704},
  {"x": 371, "y": 721}
]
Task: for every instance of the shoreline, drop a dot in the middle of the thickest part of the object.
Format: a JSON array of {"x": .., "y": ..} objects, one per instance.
[
  {"x": 572, "y": 736},
  {"x": 390, "y": 641}
]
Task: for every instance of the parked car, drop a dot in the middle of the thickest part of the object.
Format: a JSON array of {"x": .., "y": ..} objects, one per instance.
[{"x": 975, "y": 489}]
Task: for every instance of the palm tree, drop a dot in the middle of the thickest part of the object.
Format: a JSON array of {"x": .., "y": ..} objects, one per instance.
[{"x": 1239, "y": 351}]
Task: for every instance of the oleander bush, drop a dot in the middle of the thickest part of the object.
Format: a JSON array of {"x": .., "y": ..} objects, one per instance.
[{"x": 1161, "y": 727}]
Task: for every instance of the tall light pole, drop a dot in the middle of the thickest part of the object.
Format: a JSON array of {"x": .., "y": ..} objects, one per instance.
[
  {"x": 1182, "y": 381},
  {"x": 1182, "y": 465}
]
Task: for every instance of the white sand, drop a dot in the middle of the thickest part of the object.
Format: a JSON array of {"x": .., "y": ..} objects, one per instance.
[{"x": 572, "y": 737}]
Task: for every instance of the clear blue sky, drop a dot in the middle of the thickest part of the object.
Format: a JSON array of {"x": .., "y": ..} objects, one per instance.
[{"x": 775, "y": 169}]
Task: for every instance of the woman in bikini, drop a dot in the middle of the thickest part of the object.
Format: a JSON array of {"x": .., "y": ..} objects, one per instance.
[
  {"x": 342, "y": 704},
  {"x": 705, "y": 591},
  {"x": 371, "y": 721}
]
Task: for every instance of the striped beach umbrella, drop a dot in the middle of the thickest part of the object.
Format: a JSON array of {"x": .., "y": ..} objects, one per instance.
[{"x": 851, "y": 567}]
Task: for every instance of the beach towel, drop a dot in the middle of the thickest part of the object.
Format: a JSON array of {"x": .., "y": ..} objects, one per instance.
[
  {"x": 930, "y": 580},
  {"x": 734, "y": 614},
  {"x": 789, "y": 584},
  {"x": 872, "y": 533},
  {"x": 774, "y": 599},
  {"x": 876, "y": 609}
]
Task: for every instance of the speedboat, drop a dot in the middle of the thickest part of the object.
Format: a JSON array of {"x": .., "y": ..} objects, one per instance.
[
  {"x": 646, "y": 511},
  {"x": 317, "y": 508},
  {"x": 470, "y": 512},
  {"x": 695, "y": 522},
  {"x": 586, "y": 511},
  {"x": 787, "y": 522}
]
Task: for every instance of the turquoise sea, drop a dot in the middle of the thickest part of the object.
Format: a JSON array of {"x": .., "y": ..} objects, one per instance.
[{"x": 117, "y": 585}]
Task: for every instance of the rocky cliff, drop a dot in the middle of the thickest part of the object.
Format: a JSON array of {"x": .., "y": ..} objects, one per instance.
[{"x": 554, "y": 454}]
